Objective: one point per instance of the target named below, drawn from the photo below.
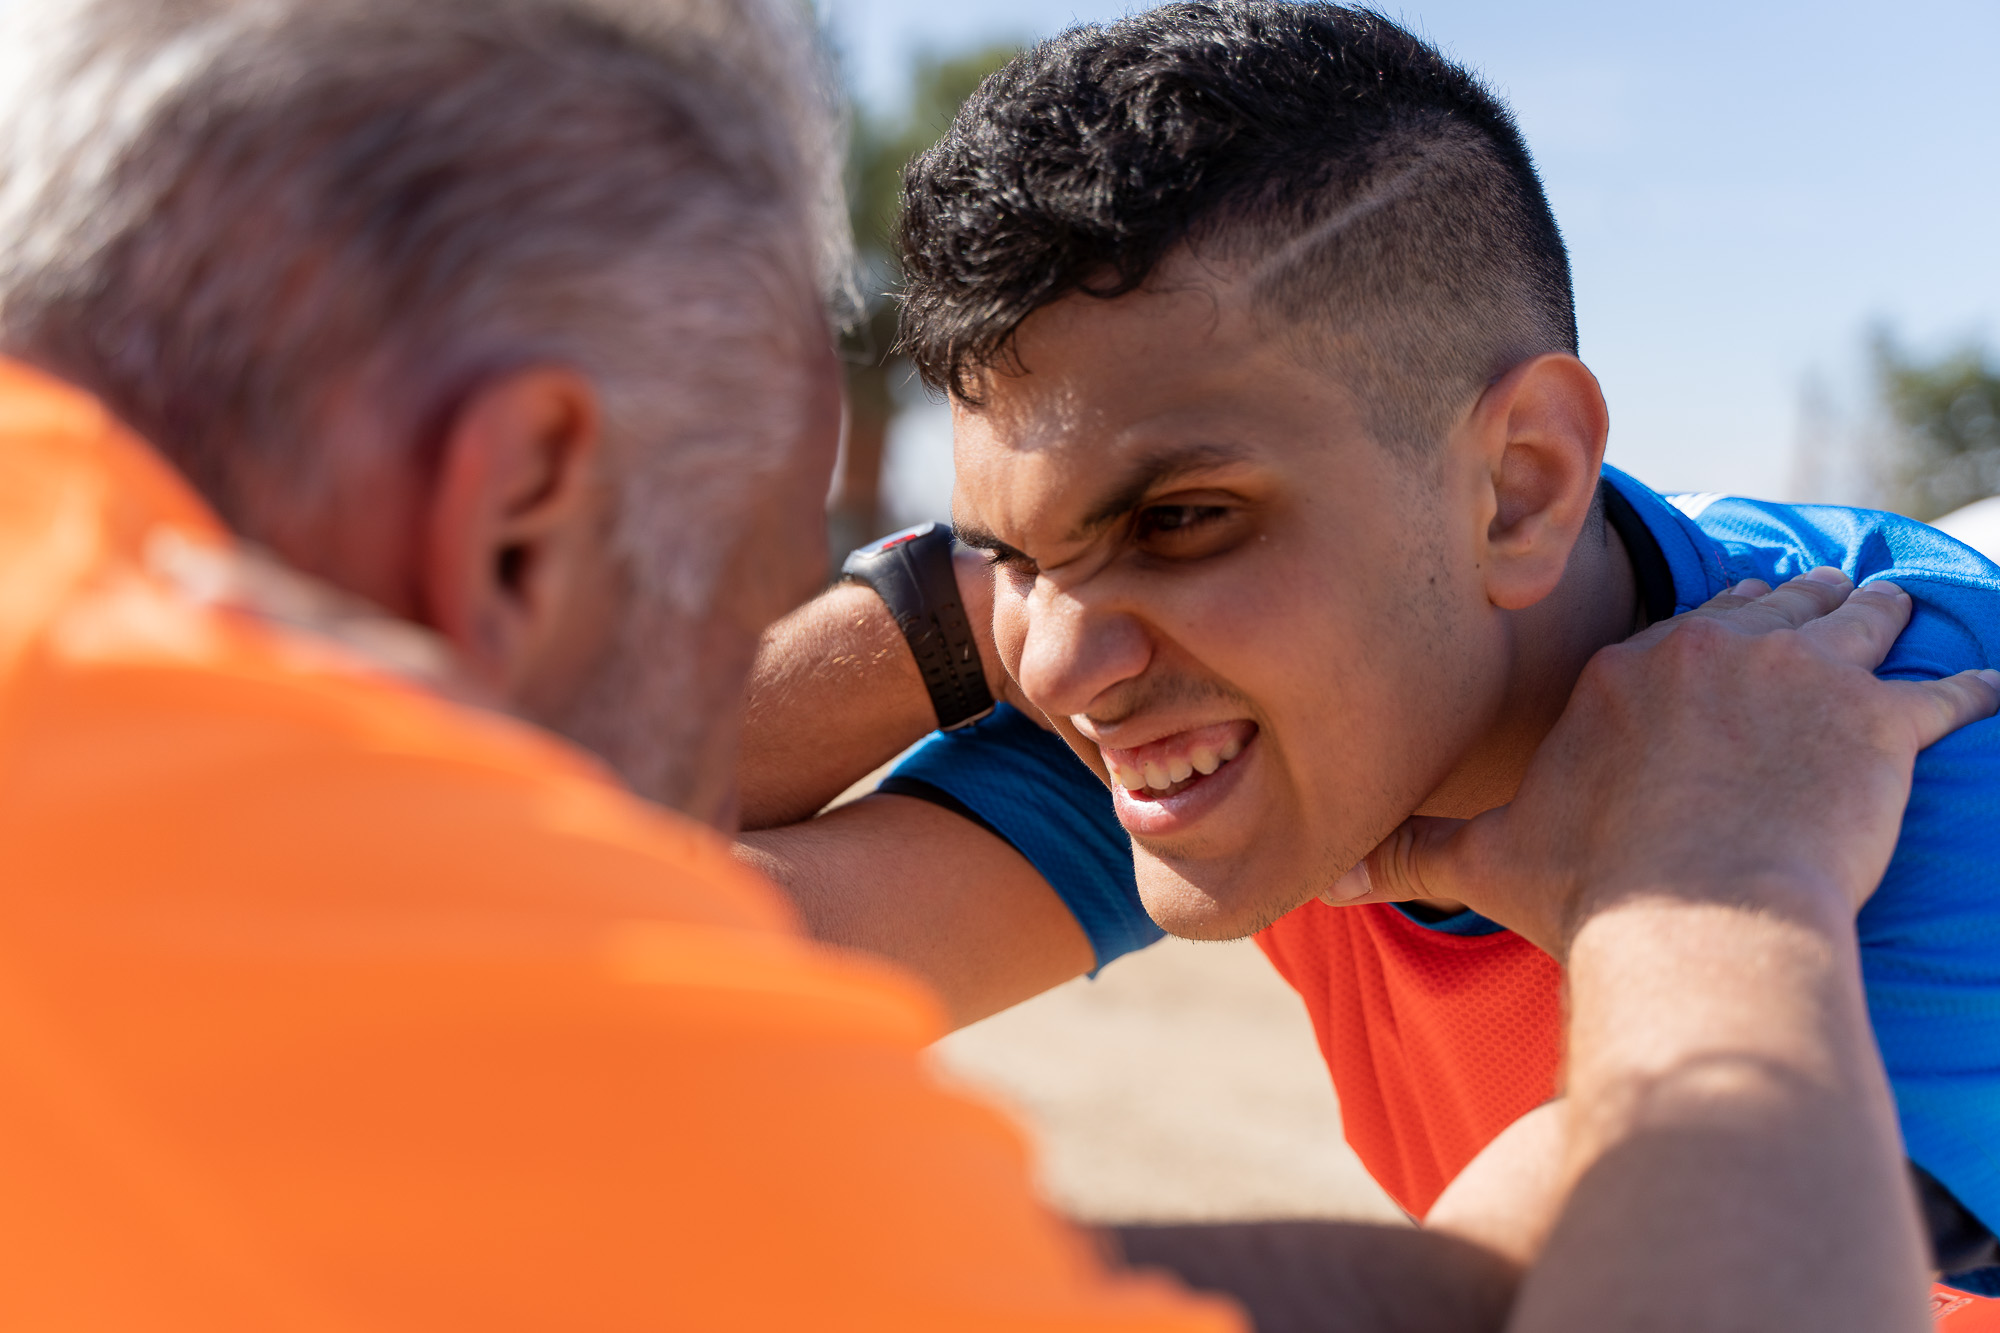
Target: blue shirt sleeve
(1025, 784)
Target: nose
(1074, 650)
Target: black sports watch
(911, 572)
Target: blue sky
(1744, 187)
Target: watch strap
(911, 571)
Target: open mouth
(1177, 763)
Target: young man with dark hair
(1270, 425)
(327, 1002)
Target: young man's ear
(515, 543)
(1539, 431)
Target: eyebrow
(1150, 471)
(1145, 474)
(979, 539)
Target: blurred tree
(882, 146)
(1945, 426)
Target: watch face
(895, 539)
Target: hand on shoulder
(1743, 752)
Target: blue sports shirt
(1930, 937)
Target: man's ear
(514, 534)
(1539, 431)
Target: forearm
(835, 693)
(915, 883)
(1303, 1277)
(1726, 1104)
(1508, 1198)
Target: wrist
(1676, 990)
(915, 574)
(1807, 902)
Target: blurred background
(1783, 219)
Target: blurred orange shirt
(326, 1004)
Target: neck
(1596, 605)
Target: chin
(1182, 906)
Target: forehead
(1184, 370)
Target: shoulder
(1956, 589)
(161, 742)
(215, 759)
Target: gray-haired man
(505, 317)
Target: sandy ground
(1182, 1084)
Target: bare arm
(913, 882)
(1728, 1131)
(1309, 1276)
(1693, 841)
(1733, 1149)
(1733, 1140)
(835, 694)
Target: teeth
(1158, 775)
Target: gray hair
(264, 231)
(223, 215)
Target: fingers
(1936, 708)
(1853, 626)
(1806, 598)
(1463, 863)
(1863, 629)
(1718, 606)
(1356, 886)
(1791, 604)
(1721, 607)
(1411, 864)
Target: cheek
(1010, 622)
(1264, 622)
(1341, 654)
(1407, 671)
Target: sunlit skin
(509, 552)
(1199, 543)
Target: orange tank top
(1436, 1042)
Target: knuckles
(1706, 672)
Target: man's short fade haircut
(1379, 198)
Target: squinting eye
(1162, 520)
(1010, 562)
